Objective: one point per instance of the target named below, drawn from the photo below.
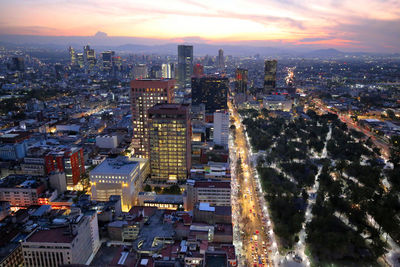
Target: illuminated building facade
(68, 160)
(89, 57)
(144, 95)
(168, 70)
(270, 76)
(212, 91)
(185, 65)
(72, 55)
(241, 76)
(169, 142)
(116, 176)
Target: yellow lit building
(169, 142)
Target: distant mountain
(330, 52)
(101, 42)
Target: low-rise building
(116, 176)
(21, 190)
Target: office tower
(168, 70)
(241, 80)
(17, 63)
(72, 55)
(211, 91)
(221, 127)
(80, 60)
(169, 142)
(21, 190)
(198, 71)
(116, 176)
(270, 76)
(107, 59)
(68, 160)
(155, 72)
(220, 60)
(140, 71)
(144, 95)
(89, 57)
(185, 65)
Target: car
(297, 258)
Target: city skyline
(344, 25)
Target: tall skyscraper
(221, 127)
(107, 60)
(220, 60)
(168, 70)
(89, 57)
(270, 76)
(169, 142)
(72, 55)
(241, 76)
(185, 65)
(144, 95)
(212, 91)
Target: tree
(157, 189)
(147, 188)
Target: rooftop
(19, 181)
(54, 235)
(209, 184)
(115, 166)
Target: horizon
(348, 26)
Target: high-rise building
(89, 57)
(107, 60)
(198, 71)
(140, 71)
(221, 127)
(144, 95)
(211, 91)
(169, 142)
(270, 76)
(72, 55)
(220, 60)
(241, 79)
(185, 65)
(17, 63)
(168, 70)
(80, 60)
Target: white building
(116, 176)
(221, 127)
(70, 243)
(167, 70)
(107, 141)
(277, 102)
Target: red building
(198, 71)
(68, 160)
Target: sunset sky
(356, 25)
